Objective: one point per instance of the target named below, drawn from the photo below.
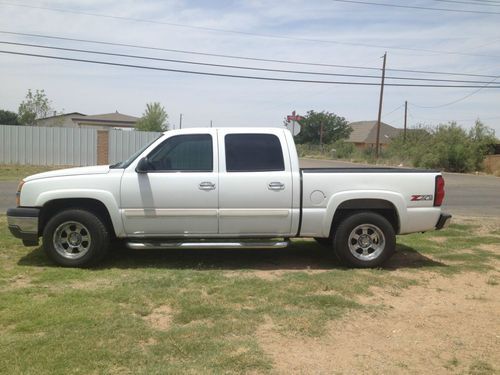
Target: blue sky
(352, 34)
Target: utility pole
(380, 107)
(406, 116)
(210, 123)
(180, 121)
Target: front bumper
(23, 224)
(443, 222)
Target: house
(364, 134)
(104, 121)
(62, 120)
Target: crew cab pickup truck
(224, 188)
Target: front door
(178, 196)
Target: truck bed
(409, 192)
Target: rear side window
(253, 153)
(184, 153)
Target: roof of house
(63, 115)
(109, 118)
(366, 132)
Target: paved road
(465, 194)
(472, 195)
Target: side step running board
(137, 245)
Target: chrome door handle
(276, 186)
(206, 185)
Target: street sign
(292, 123)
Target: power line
(458, 119)
(122, 18)
(391, 112)
(235, 75)
(457, 100)
(419, 116)
(99, 42)
(460, 99)
(185, 52)
(233, 66)
(417, 7)
(479, 2)
(468, 3)
(244, 33)
(190, 62)
(186, 71)
(204, 28)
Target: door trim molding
(245, 212)
(166, 212)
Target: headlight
(18, 193)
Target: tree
(154, 118)
(35, 106)
(8, 118)
(483, 142)
(334, 128)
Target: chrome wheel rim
(72, 240)
(366, 242)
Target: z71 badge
(418, 197)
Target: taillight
(439, 193)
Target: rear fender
(336, 200)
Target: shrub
(448, 147)
(342, 149)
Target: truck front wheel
(75, 238)
(364, 240)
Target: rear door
(255, 183)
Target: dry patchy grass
(431, 308)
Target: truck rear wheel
(364, 240)
(75, 238)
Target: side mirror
(143, 166)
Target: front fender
(105, 197)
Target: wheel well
(379, 206)
(92, 205)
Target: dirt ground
(445, 325)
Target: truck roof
(246, 129)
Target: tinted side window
(191, 152)
(253, 152)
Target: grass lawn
(197, 311)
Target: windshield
(126, 163)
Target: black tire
(324, 241)
(364, 240)
(75, 238)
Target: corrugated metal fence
(35, 145)
(47, 146)
(122, 144)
